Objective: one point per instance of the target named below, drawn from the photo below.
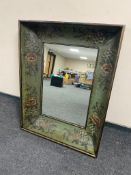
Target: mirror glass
(67, 82)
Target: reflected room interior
(67, 82)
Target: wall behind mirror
(67, 82)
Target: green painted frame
(107, 39)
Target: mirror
(67, 82)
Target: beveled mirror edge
(122, 26)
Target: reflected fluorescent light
(74, 50)
(83, 58)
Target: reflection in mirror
(67, 82)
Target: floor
(68, 103)
(22, 153)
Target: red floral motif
(75, 136)
(31, 102)
(95, 120)
(107, 68)
(31, 58)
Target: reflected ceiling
(74, 52)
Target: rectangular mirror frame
(107, 39)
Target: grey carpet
(67, 103)
(22, 153)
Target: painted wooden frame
(33, 34)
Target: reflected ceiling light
(83, 58)
(74, 50)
